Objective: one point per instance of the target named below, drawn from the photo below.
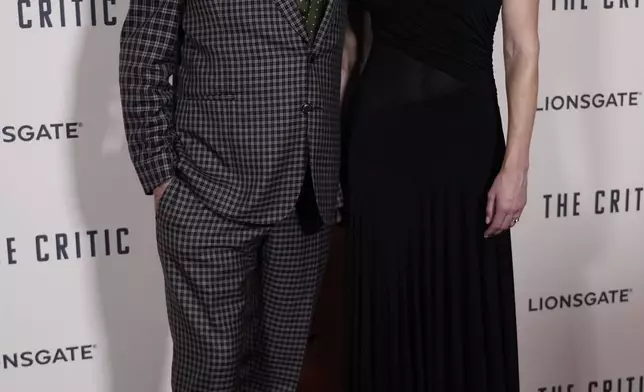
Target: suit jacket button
(307, 108)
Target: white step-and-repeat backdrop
(81, 297)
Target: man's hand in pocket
(158, 194)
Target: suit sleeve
(149, 56)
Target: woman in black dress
(432, 193)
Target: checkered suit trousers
(232, 102)
(239, 297)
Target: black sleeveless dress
(433, 306)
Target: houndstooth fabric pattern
(239, 297)
(252, 102)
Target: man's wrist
(154, 173)
(161, 187)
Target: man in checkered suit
(231, 111)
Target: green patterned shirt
(312, 11)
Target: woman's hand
(506, 199)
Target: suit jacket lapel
(324, 24)
(292, 14)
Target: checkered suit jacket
(231, 96)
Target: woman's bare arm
(521, 53)
(349, 56)
(508, 195)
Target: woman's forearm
(349, 54)
(522, 84)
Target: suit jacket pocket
(217, 96)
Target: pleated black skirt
(432, 300)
